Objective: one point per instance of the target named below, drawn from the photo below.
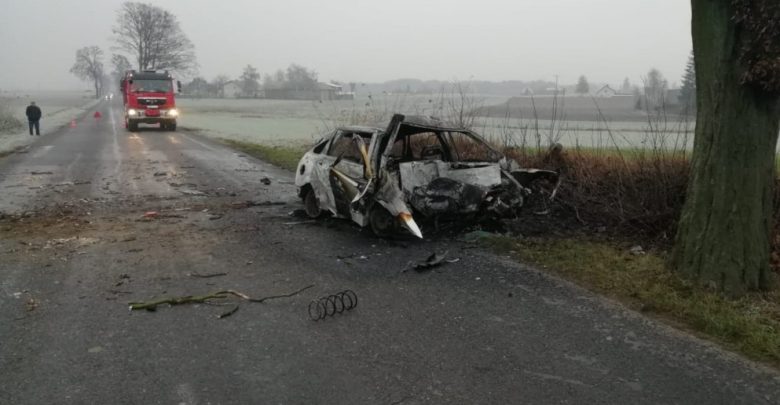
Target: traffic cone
(73, 123)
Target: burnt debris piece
(417, 169)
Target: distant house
(322, 92)
(231, 89)
(606, 92)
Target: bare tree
(218, 83)
(655, 88)
(250, 81)
(89, 66)
(154, 38)
(120, 64)
(301, 78)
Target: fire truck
(149, 99)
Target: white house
(606, 92)
(231, 89)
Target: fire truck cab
(149, 98)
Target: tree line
(148, 35)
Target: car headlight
(131, 112)
(173, 113)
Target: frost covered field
(293, 122)
(58, 109)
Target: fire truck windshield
(156, 86)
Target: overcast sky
(369, 40)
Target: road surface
(76, 248)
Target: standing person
(34, 118)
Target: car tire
(132, 126)
(172, 126)
(382, 223)
(311, 205)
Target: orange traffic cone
(73, 123)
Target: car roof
(425, 121)
(359, 128)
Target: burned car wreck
(418, 169)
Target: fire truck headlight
(131, 112)
(173, 113)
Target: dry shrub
(637, 195)
(631, 192)
(8, 122)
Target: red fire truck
(149, 99)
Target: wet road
(75, 249)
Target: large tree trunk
(723, 235)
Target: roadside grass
(284, 157)
(750, 325)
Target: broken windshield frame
(444, 145)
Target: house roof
(606, 87)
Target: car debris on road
(419, 168)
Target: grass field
(291, 122)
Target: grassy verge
(750, 325)
(284, 157)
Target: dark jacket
(33, 113)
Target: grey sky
(368, 40)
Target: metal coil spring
(332, 304)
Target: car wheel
(132, 126)
(311, 205)
(382, 223)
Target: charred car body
(418, 168)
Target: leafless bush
(8, 122)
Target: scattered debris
(198, 275)
(300, 222)
(160, 174)
(192, 192)
(228, 313)
(636, 250)
(174, 184)
(213, 217)
(40, 173)
(434, 260)
(219, 295)
(331, 305)
(151, 214)
(265, 180)
(31, 304)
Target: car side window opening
(419, 146)
(465, 148)
(345, 146)
(320, 146)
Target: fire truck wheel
(132, 126)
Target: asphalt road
(75, 249)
